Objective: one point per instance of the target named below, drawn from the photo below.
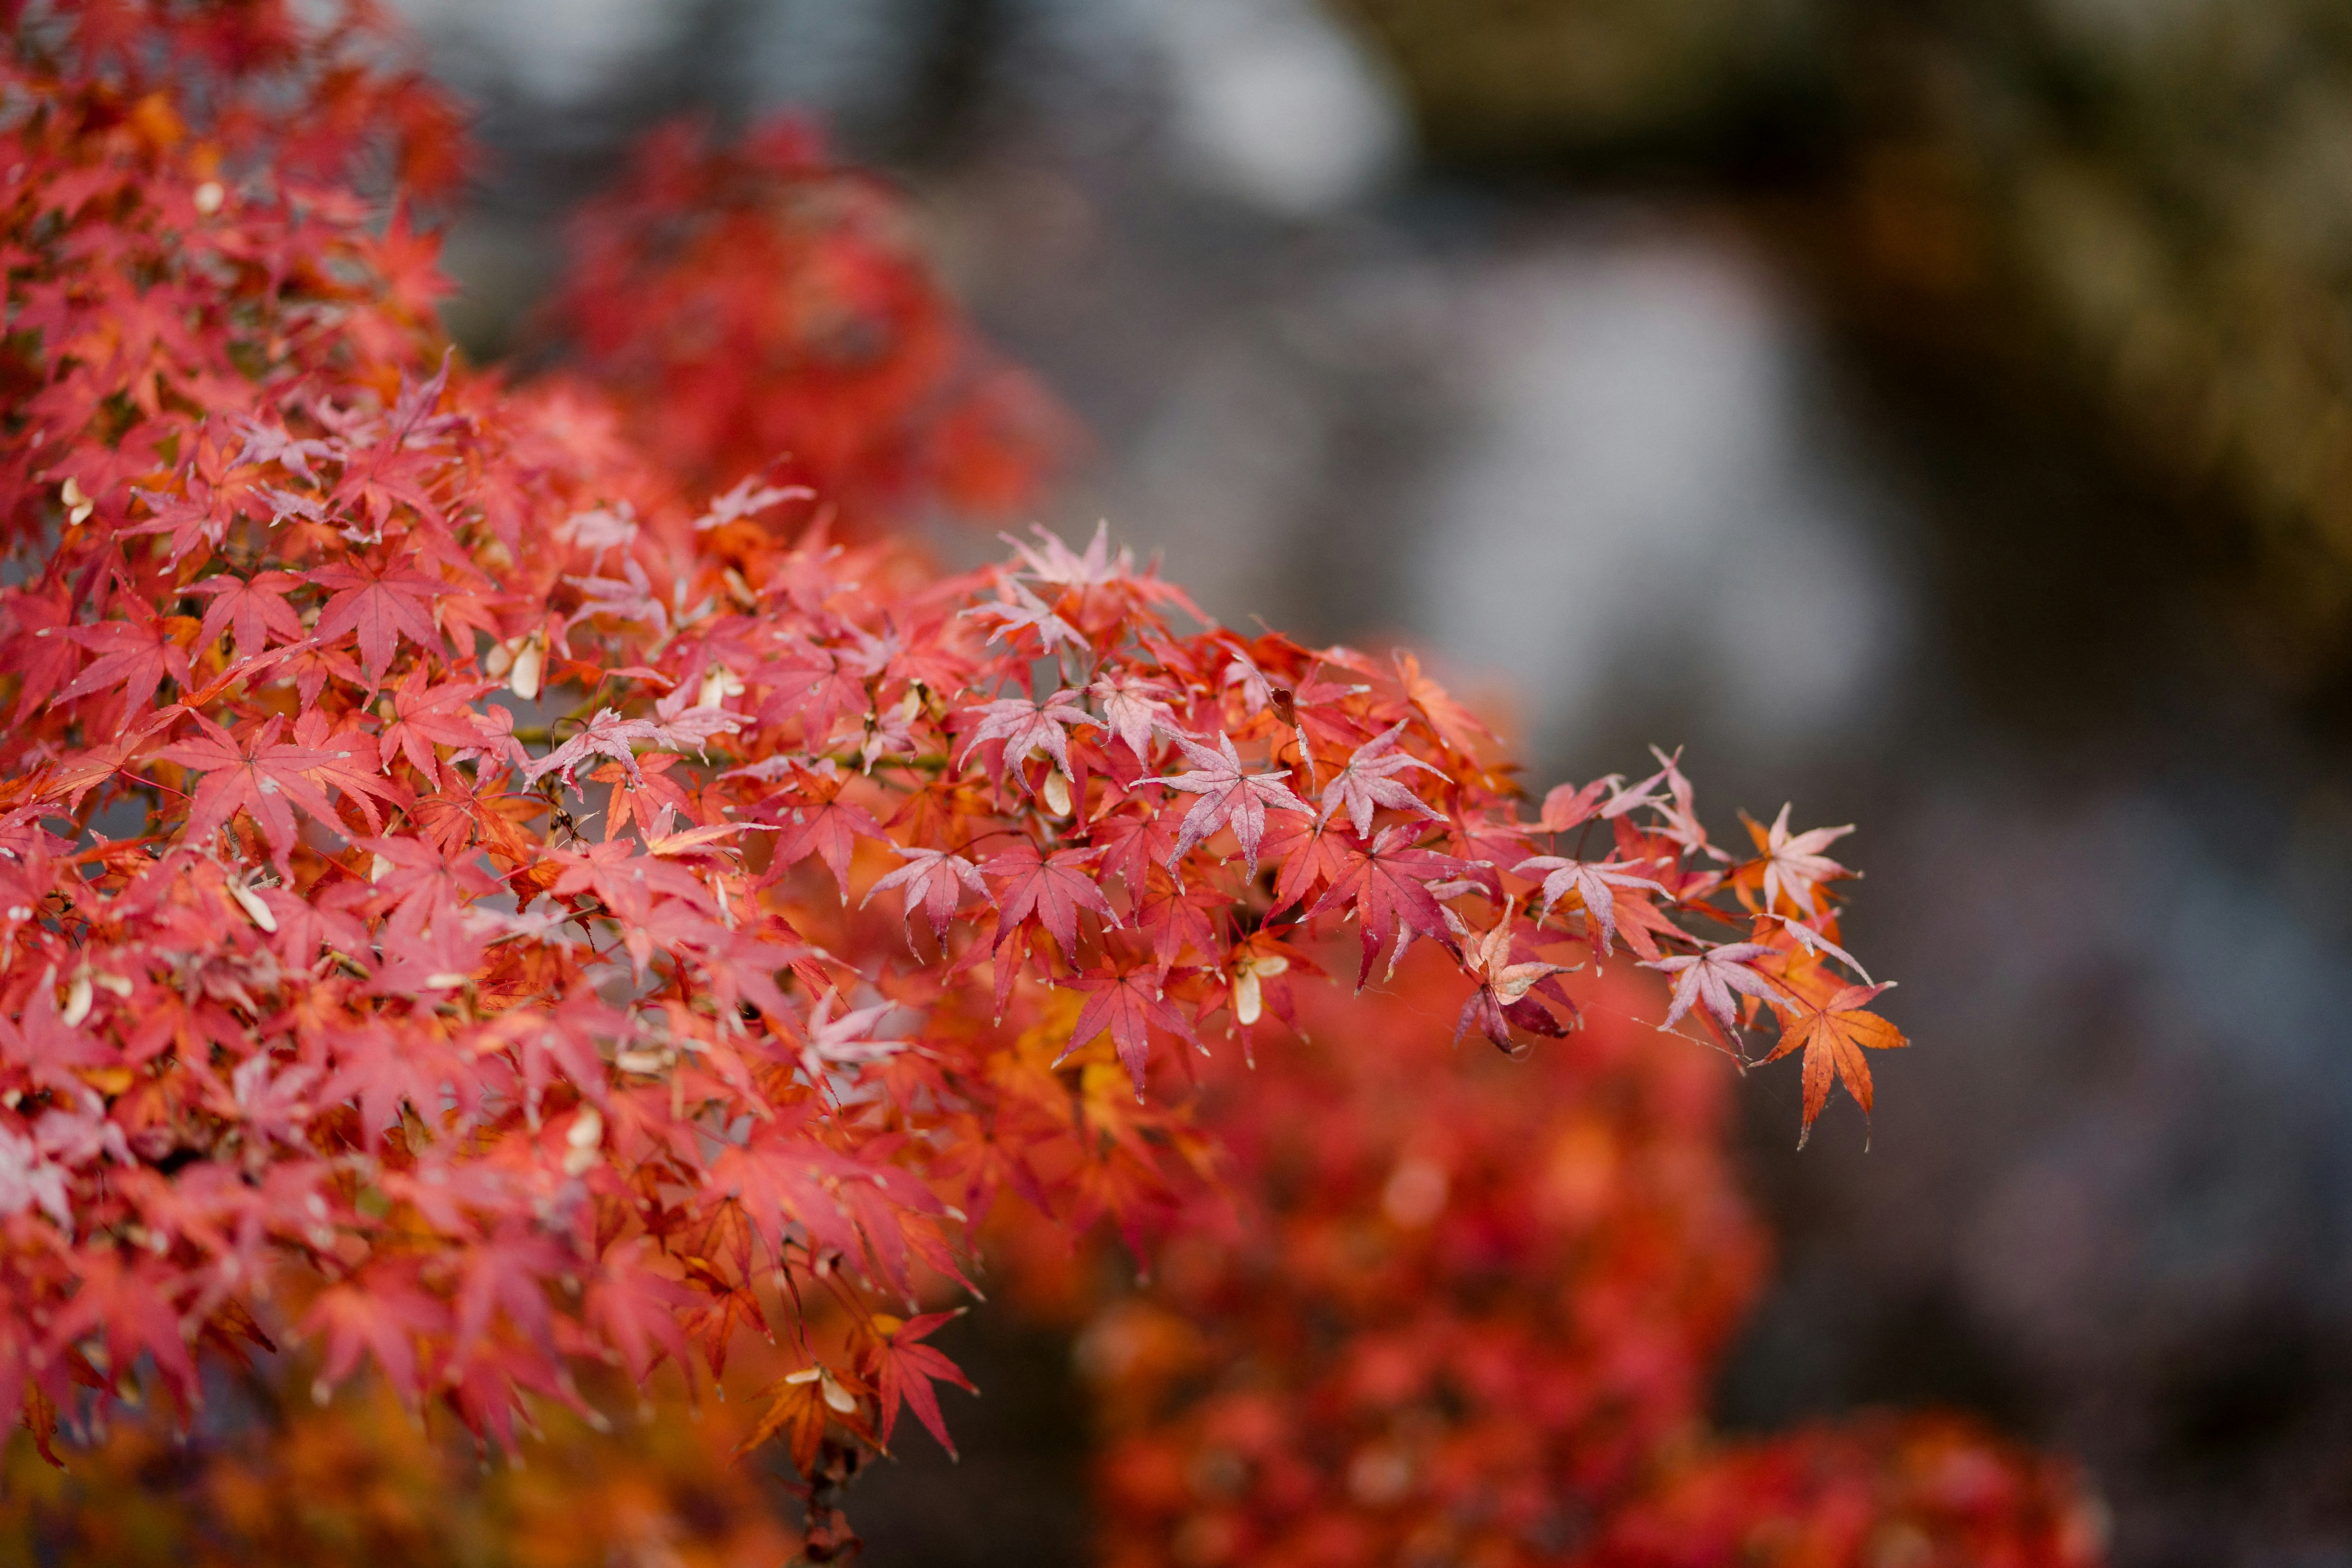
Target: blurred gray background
(1708, 387)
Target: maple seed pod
(209, 197)
(836, 1396)
(1056, 795)
(587, 1131)
(530, 659)
(718, 683)
(1249, 997)
(79, 996)
(250, 903)
(78, 505)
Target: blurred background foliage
(2151, 197)
(287, 1484)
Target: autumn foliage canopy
(498, 879)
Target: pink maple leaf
(934, 880)
(1708, 980)
(1025, 726)
(1793, 862)
(608, 735)
(1369, 782)
(1593, 882)
(1229, 797)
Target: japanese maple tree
(462, 842)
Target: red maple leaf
(135, 654)
(1175, 916)
(900, 1369)
(1049, 890)
(1506, 971)
(381, 1314)
(816, 820)
(1387, 882)
(1132, 837)
(1132, 709)
(414, 875)
(380, 1072)
(1793, 862)
(640, 1310)
(341, 751)
(1454, 723)
(262, 776)
(35, 651)
(1567, 807)
(1313, 855)
(420, 960)
(424, 714)
(130, 1304)
(410, 263)
(815, 683)
(256, 606)
(801, 1405)
(380, 605)
(1125, 1001)
(653, 798)
(86, 770)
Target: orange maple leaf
(1832, 1037)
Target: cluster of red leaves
(1472, 1315)
(759, 303)
(1442, 1313)
(438, 834)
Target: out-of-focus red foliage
(759, 303)
(362, 1482)
(1457, 1307)
(1469, 1313)
(1922, 1491)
